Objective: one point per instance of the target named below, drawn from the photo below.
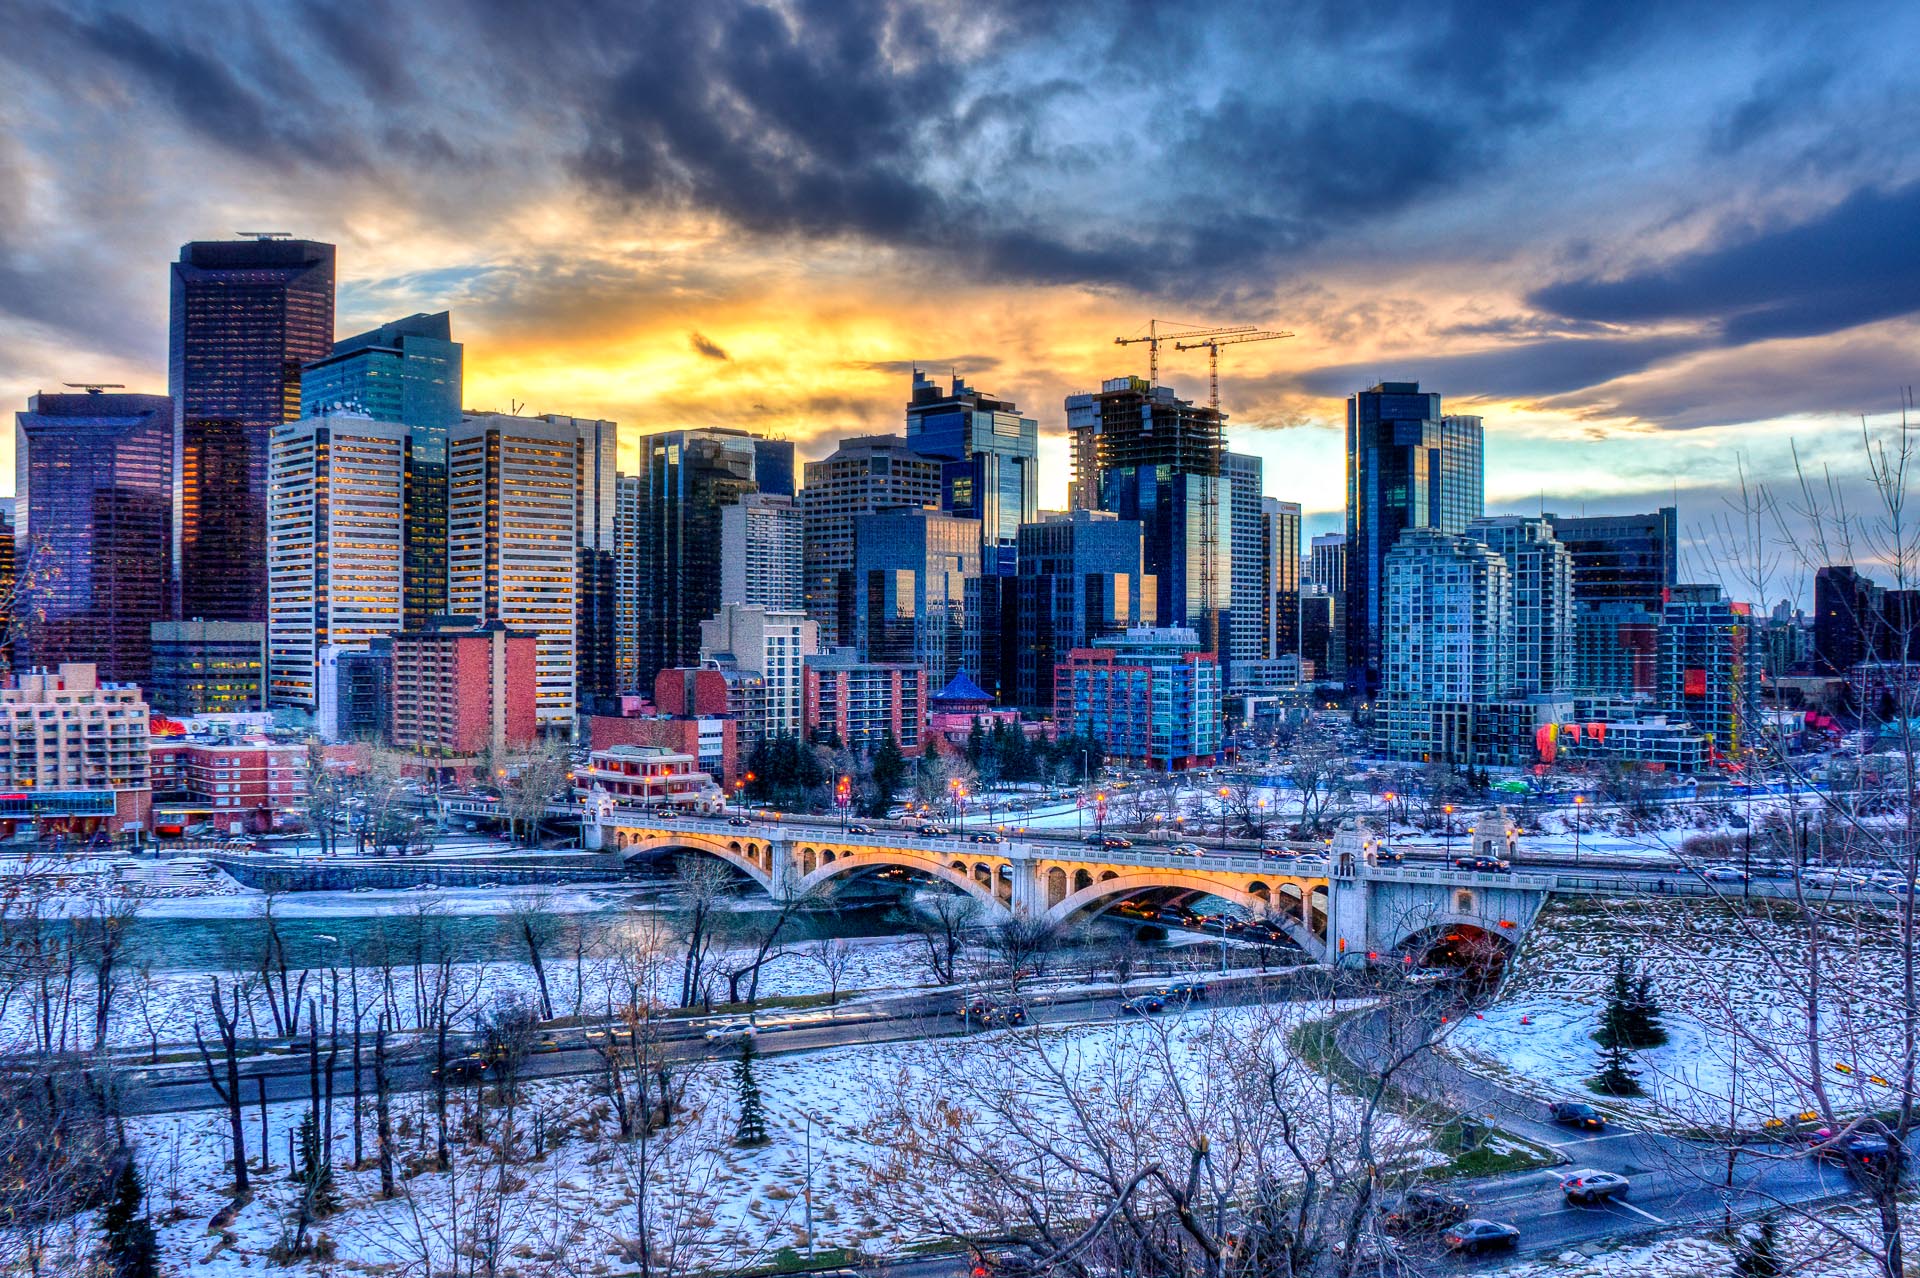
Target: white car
(732, 1032)
(1591, 1186)
(1724, 874)
(1187, 849)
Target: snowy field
(833, 1118)
(1732, 989)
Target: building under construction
(1157, 458)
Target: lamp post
(1579, 801)
(1447, 812)
(1223, 816)
(1263, 818)
(1099, 815)
(842, 796)
(1389, 798)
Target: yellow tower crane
(1174, 332)
(1214, 341)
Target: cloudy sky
(1649, 242)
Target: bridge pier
(1029, 897)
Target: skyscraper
(1408, 467)
(1447, 643)
(1623, 566)
(1710, 662)
(1080, 582)
(626, 584)
(763, 553)
(1542, 576)
(915, 585)
(407, 371)
(336, 528)
(990, 462)
(511, 540)
(687, 477)
(1844, 612)
(246, 317)
(769, 642)
(1083, 442)
(1247, 631)
(93, 484)
(865, 474)
(595, 501)
(1160, 464)
(1280, 580)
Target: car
(1187, 849)
(1008, 1014)
(1187, 991)
(463, 1070)
(1431, 975)
(1390, 858)
(858, 828)
(1481, 864)
(739, 821)
(935, 831)
(1280, 854)
(1474, 1236)
(1724, 874)
(983, 838)
(1109, 841)
(1591, 1186)
(1426, 1210)
(732, 1032)
(1867, 1149)
(976, 1011)
(1576, 1114)
(1143, 1005)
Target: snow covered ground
(575, 1206)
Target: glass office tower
(93, 477)
(990, 462)
(1408, 467)
(246, 316)
(409, 371)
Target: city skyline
(647, 260)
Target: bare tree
(531, 915)
(833, 956)
(942, 923)
(530, 784)
(1021, 947)
(702, 885)
(1316, 766)
(101, 935)
(226, 1081)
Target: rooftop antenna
(264, 235)
(514, 407)
(94, 388)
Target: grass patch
(1491, 1153)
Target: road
(1675, 1182)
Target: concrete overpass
(1343, 906)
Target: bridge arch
(730, 853)
(1118, 885)
(958, 875)
(1426, 929)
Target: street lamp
(1263, 818)
(1579, 801)
(1389, 798)
(842, 796)
(1099, 814)
(1223, 815)
(1447, 809)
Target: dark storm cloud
(704, 345)
(1854, 264)
(1528, 370)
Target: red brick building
(462, 689)
(237, 785)
(860, 702)
(712, 740)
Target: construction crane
(1155, 336)
(94, 388)
(1213, 343)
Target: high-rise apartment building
(1246, 562)
(512, 553)
(769, 643)
(915, 585)
(246, 317)
(626, 585)
(1151, 696)
(763, 553)
(989, 455)
(93, 485)
(1083, 444)
(1408, 467)
(463, 690)
(1710, 661)
(1845, 608)
(686, 478)
(1160, 463)
(337, 529)
(408, 371)
(1447, 642)
(1279, 578)
(1080, 582)
(596, 587)
(73, 754)
(1542, 579)
(864, 475)
(1623, 566)
(862, 703)
(208, 667)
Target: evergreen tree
(1757, 1255)
(132, 1251)
(889, 774)
(316, 1173)
(1617, 1077)
(753, 1115)
(1616, 1014)
(1643, 1015)
(976, 742)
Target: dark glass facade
(1080, 583)
(1407, 467)
(246, 317)
(409, 371)
(915, 584)
(989, 455)
(94, 485)
(208, 667)
(686, 478)
(1623, 568)
(1843, 619)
